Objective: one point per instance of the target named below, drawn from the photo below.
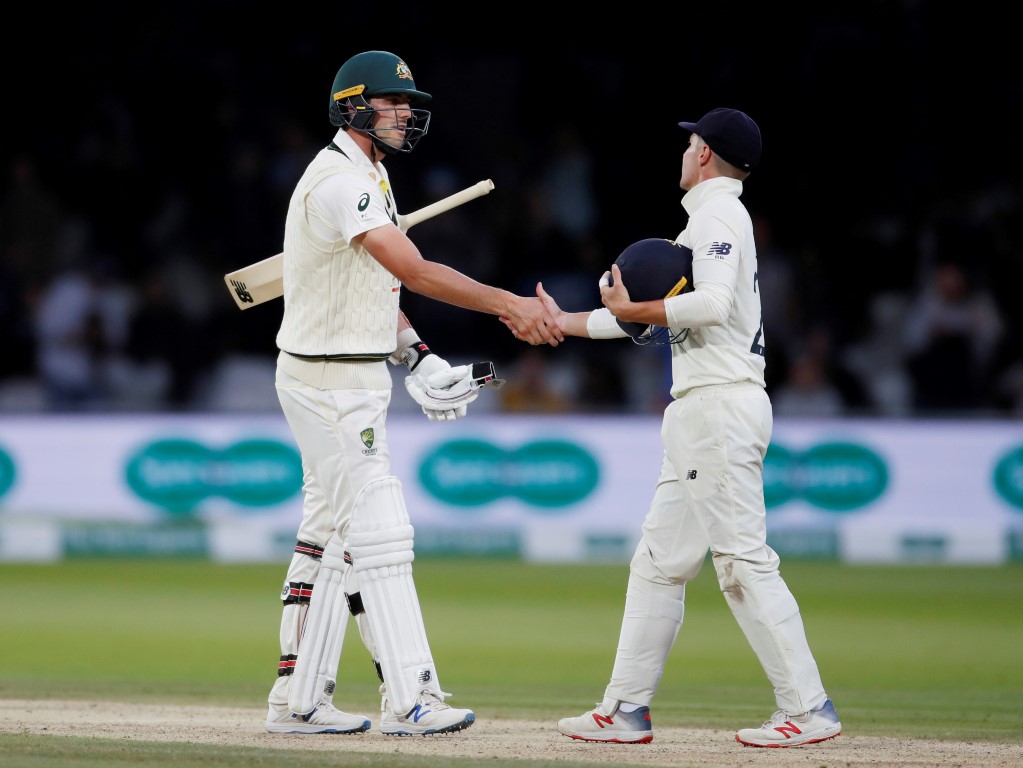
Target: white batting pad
(319, 650)
(380, 543)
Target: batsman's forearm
(443, 283)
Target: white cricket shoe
(616, 727)
(429, 715)
(325, 718)
(784, 730)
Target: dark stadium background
(175, 132)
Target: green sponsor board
(111, 540)
(1015, 545)
(546, 474)
(447, 542)
(8, 472)
(835, 477)
(177, 475)
(923, 548)
(607, 547)
(805, 543)
(1008, 478)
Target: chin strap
(383, 146)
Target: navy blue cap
(731, 134)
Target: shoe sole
(307, 728)
(459, 726)
(788, 742)
(643, 739)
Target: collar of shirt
(354, 152)
(708, 190)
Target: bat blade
(257, 282)
(264, 280)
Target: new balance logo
(602, 720)
(691, 474)
(720, 249)
(417, 713)
(242, 291)
(788, 730)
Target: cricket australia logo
(368, 436)
(402, 71)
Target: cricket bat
(264, 280)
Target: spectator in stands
(952, 332)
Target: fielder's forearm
(574, 324)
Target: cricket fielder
(710, 493)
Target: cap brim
(691, 127)
(414, 96)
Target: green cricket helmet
(377, 73)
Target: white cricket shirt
(725, 343)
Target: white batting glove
(441, 391)
(445, 394)
(423, 362)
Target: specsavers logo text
(179, 474)
(547, 473)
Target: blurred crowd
(885, 297)
(91, 326)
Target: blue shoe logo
(417, 712)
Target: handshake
(443, 391)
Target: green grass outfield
(921, 651)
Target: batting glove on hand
(431, 387)
(444, 393)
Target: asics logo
(720, 249)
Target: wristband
(601, 324)
(411, 350)
(414, 354)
